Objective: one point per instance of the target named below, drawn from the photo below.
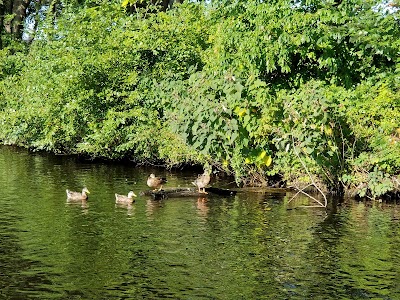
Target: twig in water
(298, 192)
(308, 195)
(312, 181)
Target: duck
(125, 199)
(202, 181)
(156, 182)
(78, 195)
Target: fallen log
(220, 192)
(186, 192)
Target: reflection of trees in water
(87, 253)
(351, 255)
(278, 239)
(253, 244)
(20, 277)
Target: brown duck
(155, 182)
(78, 195)
(125, 199)
(202, 181)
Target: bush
(267, 91)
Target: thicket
(295, 92)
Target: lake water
(249, 246)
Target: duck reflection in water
(152, 206)
(79, 198)
(202, 207)
(123, 201)
(130, 208)
(82, 203)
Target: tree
(292, 90)
(13, 15)
(162, 5)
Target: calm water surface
(250, 246)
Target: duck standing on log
(202, 181)
(155, 182)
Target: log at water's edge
(186, 192)
(221, 192)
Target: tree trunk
(17, 9)
(8, 5)
(1, 24)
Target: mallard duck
(156, 182)
(125, 199)
(202, 181)
(77, 195)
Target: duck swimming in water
(125, 199)
(78, 195)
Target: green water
(250, 246)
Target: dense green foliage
(303, 91)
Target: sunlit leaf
(267, 160)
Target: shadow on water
(21, 277)
(250, 246)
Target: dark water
(251, 246)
